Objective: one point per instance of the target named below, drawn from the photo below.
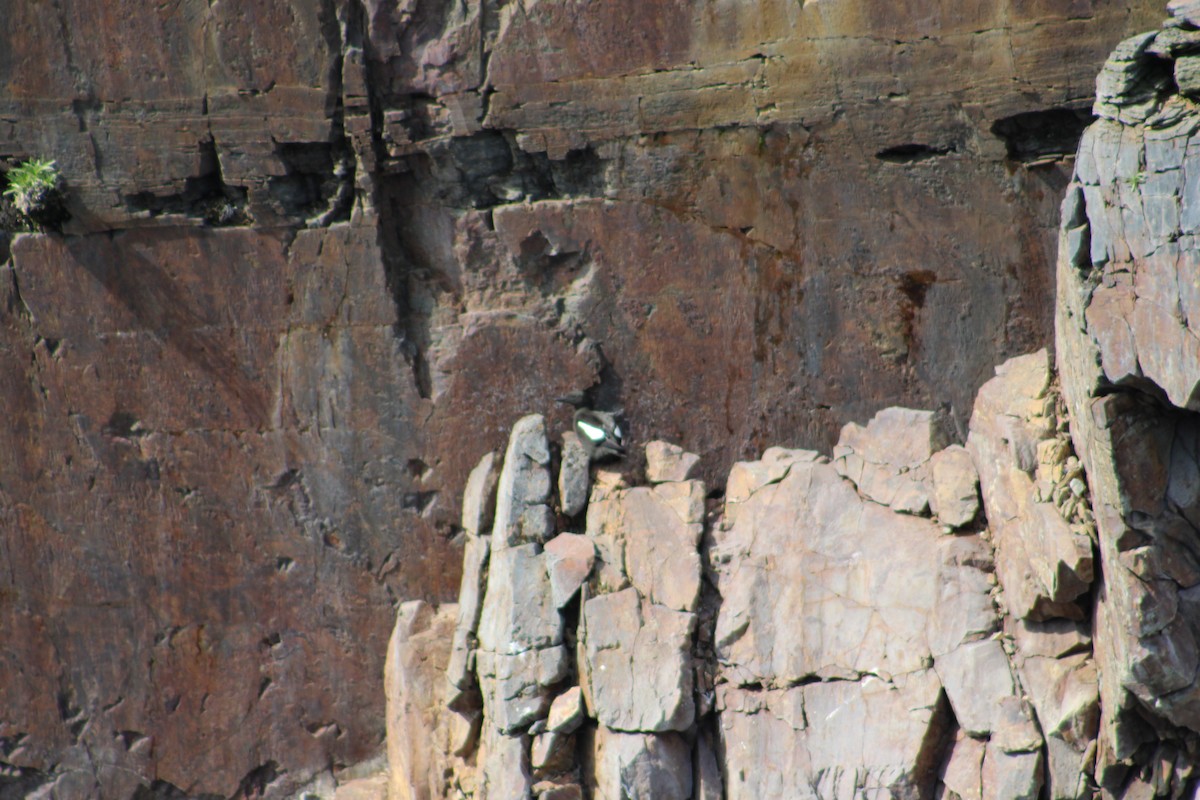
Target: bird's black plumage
(599, 431)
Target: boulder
(889, 459)
(669, 462)
(569, 559)
(479, 496)
(954, 499)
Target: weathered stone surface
(638, 766)
(662, 530)
(669, 462)
(372, 788)
(470, 607)
(566, 712)
(504, 772)
(520, 633)
(241, 451)
(963, 771)
(479, 496)
(516, 687)
(955, 496)
(649, 538)
(413, 677)
(889, 459)
(1128, 86)
(1011, 775)
(518, 609)
(873, 733)
(569, 559)
(574, 478)
(547, 790)
(1127, 348)
(977, 678)
(746, 151)
(844, 600)
(522, 513)
(1042, 560)
(552, 752)
(637, 663)
(806, 573)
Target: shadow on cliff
(160, 305)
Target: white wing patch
(590, 431)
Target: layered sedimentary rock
(323, 255)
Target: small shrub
(35, 191)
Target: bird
(599, 431)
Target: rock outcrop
(807, 640)
(1128, 341)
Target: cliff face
(322, 255)
(1016, 618)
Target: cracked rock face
(324, 254)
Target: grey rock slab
(669, 462)
(516, 688)
(662, 530)
(552, 752)
(1185, 10)
(524, 486)
(1065, 694)
(888, 459)
(977, 677)
(413, 685)
(569, 560)
(852, 595)
(962, 773)
(605, 523)
(639, 766)
(504, 772)
(827, 739)
(567, 712)
(470, 607)
(747, 477)
(479, 496)
(1054, 638)
(1011, 776)
(963, 611)
(574, 478)
(518, 608)
(955, 496)
(637, 663)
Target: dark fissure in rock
(1037, 135)
(205, 196)
(912, 152)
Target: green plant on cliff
(35, 192)
(1136, 180)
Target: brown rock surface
(235, 442)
